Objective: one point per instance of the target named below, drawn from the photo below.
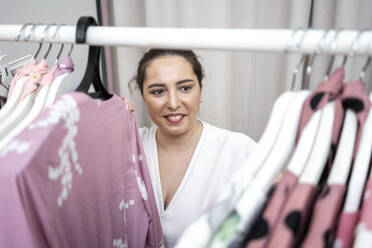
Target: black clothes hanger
(92, 73)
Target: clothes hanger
(242, 178)
(363, 231)
(39, 101)
(24, 105)
(360, 168)
(250, 204)
(92, 72)
(344, 155)
(63, 83)
(18, 85)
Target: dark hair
(154, 53)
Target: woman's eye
(157, 92)
(186, 88)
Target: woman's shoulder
(224, 136)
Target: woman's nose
(173, 101)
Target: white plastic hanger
(362, 161)
(319, 154)
(22, 108)
(18, 88)
(36, 108)
(344, 155)
(254, 197)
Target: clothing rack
(305, 41)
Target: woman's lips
(174, 118)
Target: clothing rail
(264, 40)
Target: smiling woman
(189, 160)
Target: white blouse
(218, 154)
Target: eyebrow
(162, 85)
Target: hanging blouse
(329, 203)
(326, 91)
(77, 177)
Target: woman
(189, 160)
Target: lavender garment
(323, 221)
(65, 66)
(325, 92)
(292, 222)
(262, 231)
(77, 177)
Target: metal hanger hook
(62, 45)
(333, 52)
(298, 44)
(22, 31)
(364, 68)
(45, 35)
(318, 50)
(32, 31)
(354, 46)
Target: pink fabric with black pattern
(323, 221)
(345, 231)
(292, 222)
(263, 229)
(325, 92)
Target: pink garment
(77, 177)
(48, 78)
(354, 96)
(345, 231)
(292, 222)
(366, 213)
(65, 66)
(364, 227)
(325, 92)
(33, 82)
(323, 221)
(262, 232)
(23, 72)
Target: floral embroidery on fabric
(118, 243)
(64, 109)
(124, 205)
(17, 146)
(141, 186)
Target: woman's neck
(179, 142)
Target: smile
(174, 118)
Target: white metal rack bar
(263, 40)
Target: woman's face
(172, 94)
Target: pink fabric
(32, 83)
(48, 78)
(23, 72)
(292, 222)
(77, 177)
(324, 218)
(366, 212)
(65, 66)
(274, 208)
(345, 231)
(356, 90)
(330, 89)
